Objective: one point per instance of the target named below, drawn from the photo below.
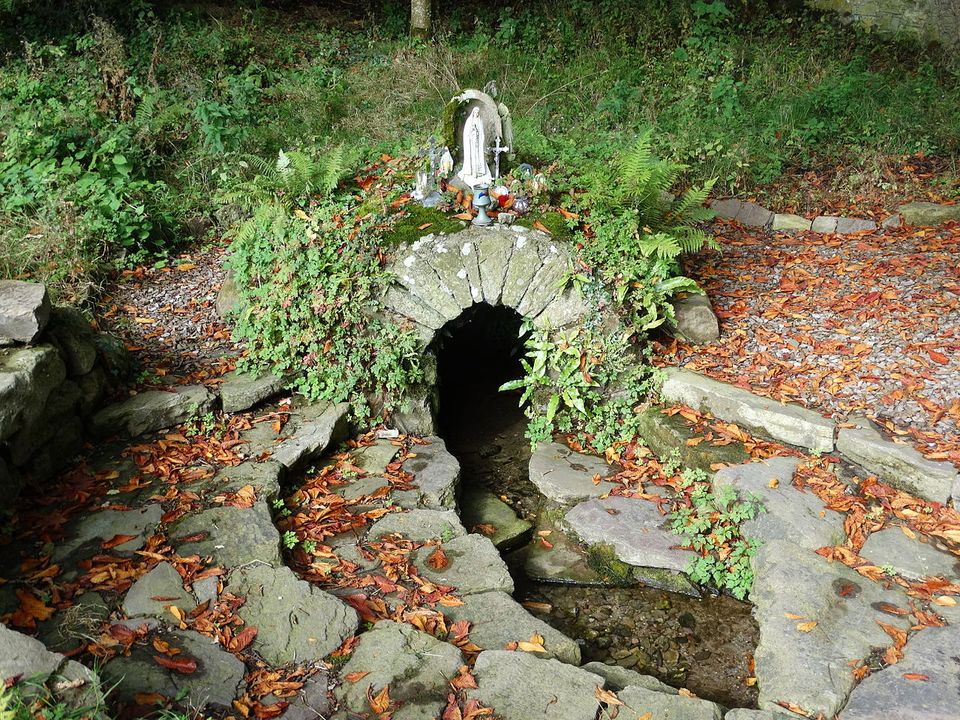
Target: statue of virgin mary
(474, 171)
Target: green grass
(117, 132)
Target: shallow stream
(703, 644)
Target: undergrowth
(119, 127)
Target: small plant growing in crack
(711, 523)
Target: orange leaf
(915, 676)
(463, 216)
(542, 228)
(807, 626)
(380, 702)
(938, 357)
(149, 699)
(183, 665)
(605, 696)
(242, 639)
(117, 540)
(424, 226)
(438, 560)
(355, 676)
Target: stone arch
(439, 277)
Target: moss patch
(410, 227)
(603, 559)
(552, 221)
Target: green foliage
(409, 227)
(307, 265)
(710, 522)
(581, 381)
(639, 231)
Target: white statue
(474, 171)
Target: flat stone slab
(107, 524)
(473, 565)
(565, 476)
(634, 528)
(922, 686)
(812, 666)
(416, 666)
(24, 310)
(241, 391)
(664, 434)
(158, 590)
(479, 506)
(231, 536)
(519, 686)
(788, 423)
(617, 678)
(327, 425)
(496, 620)
(746, 213)
(787, 222)
(641, 702)
(419, 525)
(152, 410)
(901, 466)
(23, 655)
(928, 213)
(911, 558)
(793, 514)
(263, 477)
(841, 225)
(296, 622)
(216, 681)
(436, 476)
(373, 459)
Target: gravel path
(866, 324)
(168, 317)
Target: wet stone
(520, 686)
(419, 525)
(231, 536)
(911, 558)
(216, 681)
(922, 686)
(155, 592)
(788, 512)
(664, 434)
(565, 476)
(416, 666)
(473, 566)
(482, 507)
(564, 562)
(814, 669)
(634, 528)
(498, 620)
(296, 621)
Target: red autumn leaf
(542, 228)
(149, 698)
(915, 676)
(242, 639)
(183, 665)
(117, 540)
(938, 357)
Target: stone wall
(55, 371)
(930, 20)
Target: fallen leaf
(807, 626)
(380, 702)
(183, 665)
(149, 698)
(355, 676)
(182, 267)
(117, 540)
(915, 676)
(438, 559)
(542, 228)
(945, 601)
(607, 697)
(792, 616)
(242, 639)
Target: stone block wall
(930, 20)
(53, 377)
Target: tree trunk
(420, 17)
